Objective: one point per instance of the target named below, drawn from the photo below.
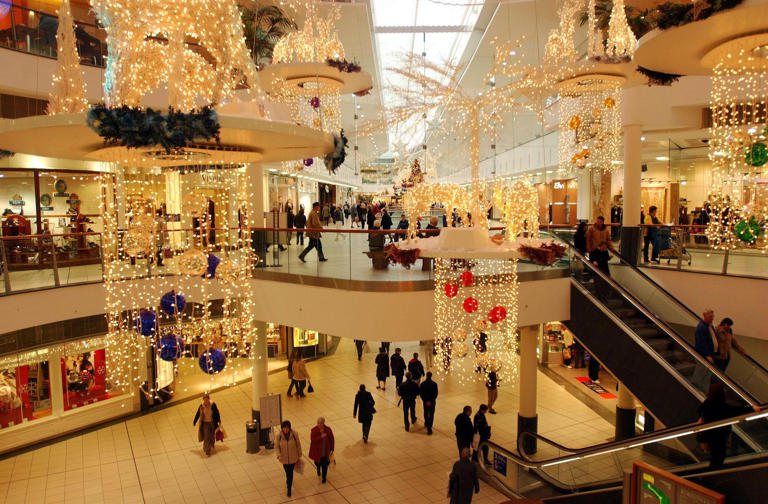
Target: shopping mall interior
(377, 251)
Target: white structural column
(584, 196)
(630, 231)
(527, 419)
(625, 414)
(259, 370)
(255, 173)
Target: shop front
(558, 202)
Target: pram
(669, 246)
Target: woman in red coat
(321, 447)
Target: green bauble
(747, 231)
(756, 154)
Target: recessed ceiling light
(642, 138)
(662, 158)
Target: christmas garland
(543, 255)
(336, 157)
(403, 257)
(343, 65)
(132, 127)
(658, 78)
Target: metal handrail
(666, 293)
(521, 458)
(668, 330)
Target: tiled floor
(156, 457)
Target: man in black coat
(465, 431)
(463, 480)
(397, 363)
(364, 405)
(416, 368)
(408, 391)
(386, 223)
(428, 392)
(402, 226)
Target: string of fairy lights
(68, 93)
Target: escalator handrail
(667, 329)
(658, 287)
(521, 459)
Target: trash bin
(252, 437)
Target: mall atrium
(382, 251)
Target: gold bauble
(581, 163)
(585, 153)
(136, 241)
(460, 335)
(739, 140)
(195, 204)
(192, 262)
(575, 122)
(594, 128)
(575, 158)
(460, 349)
(228, 270)
(609, 103)
(317, 123)
(329, 112)
(596, 113)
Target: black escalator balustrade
(597, 471)
(656, 364)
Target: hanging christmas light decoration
(68, 93)
(737, 148)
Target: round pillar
(625, 414)
(527, 419)
(259, 374)
(630, 231)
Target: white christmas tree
(68, 94)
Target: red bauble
(467, 278)
(451, 289)
(497, 314)
(470, 305)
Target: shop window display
(84, 379)
(24, 390)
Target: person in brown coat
(313, 224)
(725, 341)
(210, 420)
(598, 233)
(288, 451)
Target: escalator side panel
(665, 397)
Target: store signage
(500, 463)
(559, 185)
(17, 200)
(61, 189)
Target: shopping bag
(476, 441)
(332, 461)
(221, 434)
(310, 389)
(299, 468)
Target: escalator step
(685, 368)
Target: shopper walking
(397, 364)
(386, 223)
(291, 219)
(288, 452)
(580, 238)
(385, 346)
(300, 374)
(651, 238)
(715, 408)
(491, 383)
(321, 447)
(326, 213)
(362, 214)
(408, 392)
(292, 385)
(354, 221)
(725, 341)
(463, 481)
(338, 218)
(464, 429)
(416, 368)
(210, 420)
(428, 392)
(382, 369)
(313, 224)
(402, 225)
(484, 431)
(364, 410)
(371, 217)
(359, 345)
(300, 222)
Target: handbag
(310, 389)
(299, 467)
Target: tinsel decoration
(134, 128)
(172, 303)
(403, 257)
(212, 361)
(336, 158)
(343, 65)
(658, 78)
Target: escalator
(644, 337)
(560, 474)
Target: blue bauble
(172, 303)
(212, 361)
(171, 347)
(146, 322)
(213, 262)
